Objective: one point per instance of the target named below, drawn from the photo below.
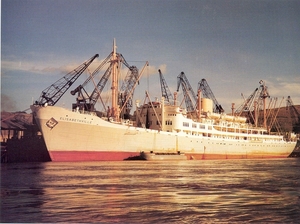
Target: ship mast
(264, 94)
(114, 85)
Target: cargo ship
(160, 130)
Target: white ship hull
(73, 136)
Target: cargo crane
(189, 95)
(95, 95)
(80, 88)
(207, 93)
(126, 91)
(165, 91)
(247, 106)
(87, 102)
(121, 100)
(294, 115)
(82, 93)
(254, 104)
(129, 91)
(53, 93)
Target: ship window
(202, 126)
(186, 124)
(168, 122)
(209, 128)
(194, 125)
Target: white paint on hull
(71, 131)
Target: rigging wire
(148, 79)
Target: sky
(233, 44)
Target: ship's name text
(74, 120)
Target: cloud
(153, 70)
(282, 88)
(279, 88)
(28, 66)
(44, 67)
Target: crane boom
(127, 85)
(189, 95)
(105, 61)
(100, 86)
(54, 92)
(255, 103)
(77, 89)
(133, 87)
(165, 91)
(125, 91)
(247, 105)
(207, 93)
(129, 81)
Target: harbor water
(204, 191)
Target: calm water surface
(152, 192)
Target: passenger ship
(160, 131)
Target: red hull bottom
(223, 156)
(76, 156)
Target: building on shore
(21, 140)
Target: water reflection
(139, 191)
(21, 192)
